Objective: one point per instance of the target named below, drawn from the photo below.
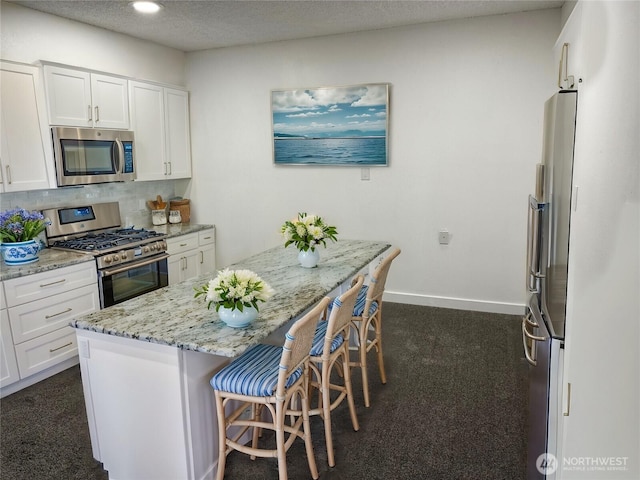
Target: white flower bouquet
(235, 289)
(307, 232)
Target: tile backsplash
(132, 197)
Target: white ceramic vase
(20, 253)
(236, 318)
(309, 259)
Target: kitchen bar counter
(172, 316)
(146, 363)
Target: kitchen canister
(181, 205)
(158, 217)
(174, 216)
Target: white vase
(309, 259)
(236, 318)
(20, 253)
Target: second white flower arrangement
(307, 232)
(235, 290)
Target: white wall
(603, 310)
(29, 36)
(465, 135)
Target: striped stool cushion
(255, 372)
(318, 340)
(361, 299)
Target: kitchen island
(146, 363)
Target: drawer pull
(52, 283)
(59, 313)
(184, 244)
(207, 238)
(51, 350)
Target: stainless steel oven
(130, 262)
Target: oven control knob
(145, 249)
(115, 258)
(123, 256)
(152, 246)
(107, 259)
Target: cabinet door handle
(97, 114)
(51, 350)
(59, 313)
(8, 174)
(201, 256)
(165, 168)
(90, 118)
(52, 283)
(169, 163)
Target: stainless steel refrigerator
(547, 262)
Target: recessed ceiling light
(146, 7)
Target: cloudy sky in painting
(331, 112)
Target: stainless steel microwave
(89, 155)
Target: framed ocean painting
(331, 125)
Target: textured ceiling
(191, 25)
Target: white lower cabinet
(35, 326)
(191, 255)
(8, 364)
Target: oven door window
(133, 282)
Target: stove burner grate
(107, 240)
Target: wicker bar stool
(273, 377)
(367, 322)
(331, 349)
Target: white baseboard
(38, 377)
(457, 303)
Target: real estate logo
(547, 463)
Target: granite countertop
(172, 316)
(50, 259)
(176, 229)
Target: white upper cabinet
(147, 123)
(26, 152)
(160, 122)
(178, 135)
(82, 99)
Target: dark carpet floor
(454, 407)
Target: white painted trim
(457, 303)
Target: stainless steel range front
(130, 261)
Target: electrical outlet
(365, 174)
(444, 237)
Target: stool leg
(326, 409)
(378, 320)
(282, 452)
(347, 383)
(222, 437)
(307, 438)
(363, 360)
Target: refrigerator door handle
(533, 244)
(529, 339)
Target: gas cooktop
(104, 242)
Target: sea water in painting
(331, 126)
